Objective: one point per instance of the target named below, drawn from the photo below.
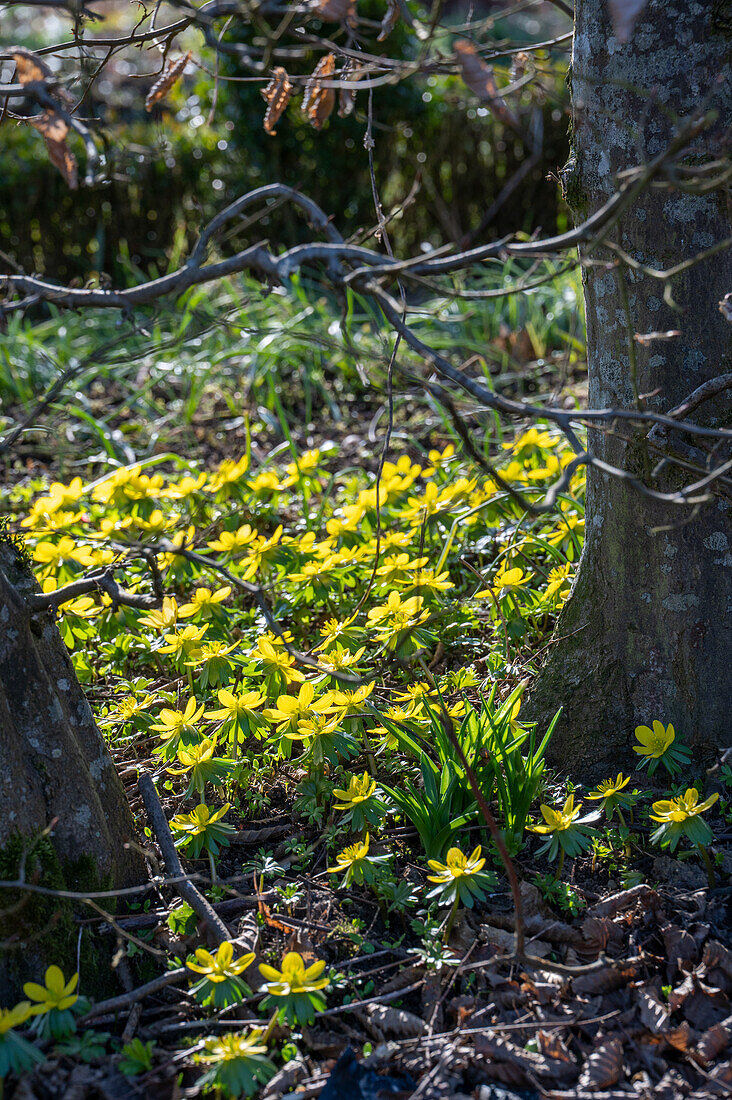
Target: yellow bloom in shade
(556, 821)
(14, 1017)
(456, 865)
(654, 741)
(609, 787)
(294, 977)
(221, 966)
(55, 994)
(683, 807)
(354, 853)
(359, 789)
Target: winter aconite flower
(459, 879)
(359, 866)
(567, 831)
(358, 801)
(221, 983)
(53, 1003)
(178, 728)
(17, 1055)
(204, 767)
(237, 1064)
(202, 829)
(681, 818)
(612, 796)
(658, 744)
(295, 989)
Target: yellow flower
(55, 994)
(654, 742)
(195, 754)
(14, 1017)
(177, 723)
(359, 790)
(233, 542)
(163, 618)
(231, 1048)
(186, 487)
(204, 602)
(556, 821)
(291, 709)
(235, 707)
(683, 807)
(183, 641)
(609, 787)
(276, 661)
(350, 855)
(221, 966)
(54, 555)
(198, 820)
(294, 977)
(456, 865)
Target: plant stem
(561, 862)
(451, 918)
(709, 865)
(270, 1027)
(212, 865)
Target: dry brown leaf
(599, 933)
(606, 980)
(55, 130)
(352, 70)
(336, 11)
(681, 948)
(552, 1046)
(653, 1013)
(604, 1066)
(277, 95)
(519, 1066)
(395, 1021)
(319, 102)
(718, 957)
(713, 1042)
(680, 1038)
(478, 76)
(28, 67)
(164, 83)
(626, 899)
(390, 20)
(624, 14)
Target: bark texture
(651, 610)
(55, 766)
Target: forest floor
(353, 610)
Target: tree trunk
(58, 775)
(649, 616)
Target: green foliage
(433, 810)
(137, 1057)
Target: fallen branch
(187, 891)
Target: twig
(188, 892)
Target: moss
(36, 930)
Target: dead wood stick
(188, 892)
(126, 1000)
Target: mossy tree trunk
(647, 628)
(55, 773)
